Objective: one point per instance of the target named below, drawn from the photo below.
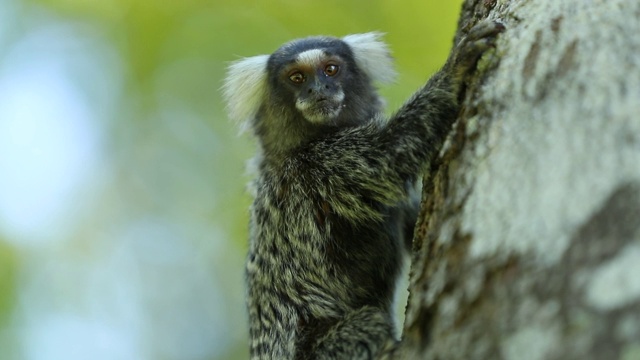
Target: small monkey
(332, 213)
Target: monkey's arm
(380, 160)
(416, 132)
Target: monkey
(332, 214)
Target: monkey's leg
(361, 335)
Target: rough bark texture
(528, 244)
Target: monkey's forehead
(308, 50)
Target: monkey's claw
(480, 38)
(485, 29)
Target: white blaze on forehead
(310, 57)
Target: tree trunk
(528, 242)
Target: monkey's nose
(318, 88)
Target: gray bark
(528, 243)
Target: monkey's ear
(372, 55)
(245, 87)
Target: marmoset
(332, 212)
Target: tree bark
(528, 242)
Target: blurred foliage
(9, 263)
(152, 34)
(8, 277)
(173, 167)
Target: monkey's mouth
(327, 108)
(325, 105)
(321, 110)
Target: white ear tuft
(245, 87)
(372, 55)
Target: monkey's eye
(331, 69)
(297, 77)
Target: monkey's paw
(480, 38)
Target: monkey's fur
(332, 209)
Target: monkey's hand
(466, 53)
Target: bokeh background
(123, 211)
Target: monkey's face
(314, 80)
(309, 87)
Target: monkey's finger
(487, 29)
(472, 50)
(480, 39)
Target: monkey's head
(308, 88)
